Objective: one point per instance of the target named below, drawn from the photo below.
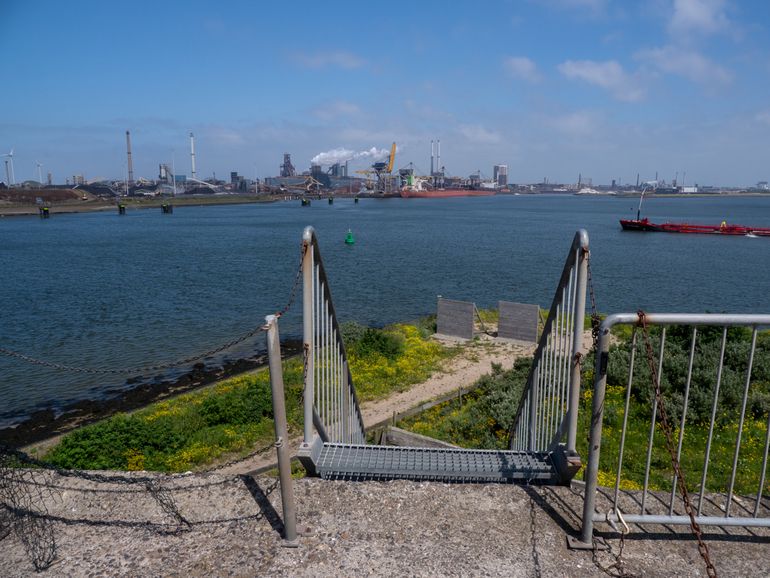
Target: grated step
(369, 462)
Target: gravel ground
(230, 526)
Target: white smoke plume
(341, 155)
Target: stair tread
(360, 462)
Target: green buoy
(349, 240)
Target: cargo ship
(420, 188)
(722, 229)
(645, 225)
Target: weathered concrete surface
(357, 529)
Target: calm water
(101, 290)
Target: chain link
(595, 319)
(533, 537)
(667, 431)
(618, 568)
(163, 366)
(24, 496)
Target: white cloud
(522, 68)
(223, 136)
(608, 75)
(688, 63)
(478, 134)
(700, 16)
(336, 109)
(574, 124)
(763, 117)
(333, 59)
(593, 7)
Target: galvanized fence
(704, 414)
(549, 403)
(331, 405)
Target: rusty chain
(670, 446)
(533, 538)
(162, 366)
(595, 319)
(618, 568)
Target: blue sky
(552, 88)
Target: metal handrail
(331, 404)
(645, 515)
(549, 402)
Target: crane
(392, 158)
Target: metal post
(281, 432)
(533, 411)
(595, 441)
(577, 342)
(307, 330)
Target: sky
(605, 89)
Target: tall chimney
(130, 163)
(438, 155)
(432, 153)
(192, 153)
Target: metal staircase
(334, 444)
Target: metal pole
(577, 342)
(281, 432)
(307, 330)
(595, 442)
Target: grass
(482, 418)
(693, 449)
(235, 416)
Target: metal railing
(660, 507)
(281, 431)
(549, 403)
(331, 405)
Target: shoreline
(134, 203)
(45, 424)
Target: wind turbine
(9, 174)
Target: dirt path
(475, 360)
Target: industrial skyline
(604, 88)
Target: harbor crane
(379, 169)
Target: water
(102, 290)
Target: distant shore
(132, 203)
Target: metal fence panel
(654, 507)
(517, 321)
(455, 318)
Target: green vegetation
(234, 417)
(483, 417)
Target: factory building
(500, 173)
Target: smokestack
(438, 155)
(130, 163)
(432, 153)
(192, 153)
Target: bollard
(281, 432)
